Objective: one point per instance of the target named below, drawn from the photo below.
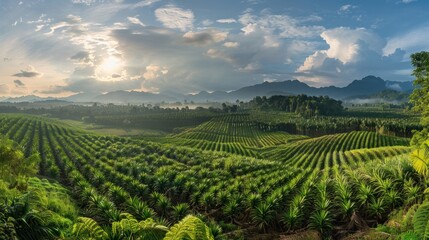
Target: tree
(420, 99)
(420, 96)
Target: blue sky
(64, 47)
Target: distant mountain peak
(366, 86)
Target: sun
(109, 66)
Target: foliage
(421, 221)
(234, 133)
(87, 228)
(110, 176)
(189, 228)
(420, 159)
(23, 222)
(14, 165)
(420, 98)
(307, 106)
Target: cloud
(255, 2)
(346, 9)
(231, 44)
(86, 2)
(4, 89)
(282, 26)
(205, 37)
(143, 3)
(412, 41)
(352, 53)
(190, 66)
(82, 56)
(70, 21)
(207, 22)
(18, 83)
(226, 20)
(30, 72)
(38, 28)
(407, 1)
(176, 18)
(344, 45)
(136, 21)
(153, 71)
(214, 53)
(92, 85)
(40, 20)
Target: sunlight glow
(111, 65)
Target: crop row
(110, 175)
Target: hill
(366, 86)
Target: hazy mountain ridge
(368, 86)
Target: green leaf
(87, 228)
(150, 230)
(421, 221)
(190, 228)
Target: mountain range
(367, 86)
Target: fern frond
(150, 230)
(87, 228)
(190, 228)
(421, 221)
(420, 159)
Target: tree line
(307, 106)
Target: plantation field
(231, 133)
(338, 149)
(106, 130)
(295, 182)
(391, 122)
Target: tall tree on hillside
(420, 96)
(420, 99)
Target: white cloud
(414, 40)
(344, 45)
(154, 71)
(231, 44)
(352, 53)
(39, 27)
(314, 61)
(174, 17)
(143, 3)
(214, 53)
(207, 22)
(282, 25)
(41, 19)
(136, 21)
(226, 20)
(408, 1)
(86, 2)
(346, 8)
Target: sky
(64, 47)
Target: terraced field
(339, 149)
(232, 133)
(311, 177)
